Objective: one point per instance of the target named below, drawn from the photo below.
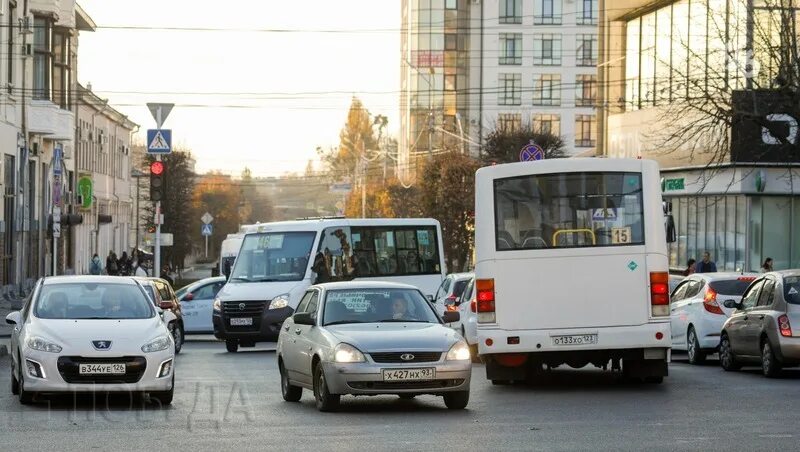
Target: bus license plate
(575, 339)
(409, 374)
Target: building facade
(734, 186)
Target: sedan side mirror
(732, 304)
(430, 298)
(14, 318)
(451, 316)
(304, 318)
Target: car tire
(163, 397)
(693, 351)
(290, 392)
(456, 400)
(770, 365)
(726, 357)
(232, 345)
(326, 401)
(177, 336)
(406, 396)
(25, 397)
(654, 380)
(501, 382)
(14, 383)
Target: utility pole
(749, 38)
(364, 187)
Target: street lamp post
(136, 174)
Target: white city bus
(230, 247)
(277, 262)
(571, 267)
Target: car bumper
(367, 378)
(266, 326)
(789, 350)
(60, 373)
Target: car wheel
(726, 357)
(406, 396)
(325, 400)
(770, 365)
(164, 397)
(696, 355)
(501, 382)
(290, 392)
(232, 345)
(25, 397)
(654, 380)
(456, 400)
(177, 336)
(14, 382)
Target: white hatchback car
(91, 334)
(468, 313)
(450, 290)
(697, 312)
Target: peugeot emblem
(101, 345)
(242, 306)
(407, 357)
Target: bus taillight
(659, 293)
(485, 300)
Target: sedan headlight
(43, 345)
(157, 344)
(459, 352)
(217, 305)
(346, 353)
(281, 301)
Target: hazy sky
(245, 69)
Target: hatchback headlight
(217, 305)
(346, 353)
(43, 345)
(157, 344)
(281, 301)
(459, 352)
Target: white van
(572, 267)
(277, 262)
(230, 247)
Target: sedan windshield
(273, 256)
(92, 301)
(377, 305)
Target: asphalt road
(232, 401)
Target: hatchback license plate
(409, 374)
(241, 321)
(101, 369)
(575, 339)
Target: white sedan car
(91, 333)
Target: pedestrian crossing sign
(159, 141)
(206, 229)
(604, 214)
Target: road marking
(776, 435)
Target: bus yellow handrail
(571, 231)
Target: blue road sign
(58, 153)
(159, 141)
(531, 152)
(206, 229)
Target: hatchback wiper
(342, 322)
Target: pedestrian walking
(706, 265)
(96, 266)
(690, 267)
(124, 265)
(139, 270)
(112, 268)
(165, 275)
(766, 267)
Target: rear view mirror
(303, 318)
(430, 298)
(451, 316)
(14, 318)
(731, 304)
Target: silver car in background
(370, 338)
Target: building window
(42, 57)
(509, 122)
(585, 90)
(547, 12)
(510, 11)
(547, 124)
(587, 50)
(587, 15)
(511, 48)
(451, 4)
(62, 74)
(585, 131)
(547, 50)
(450, 82)
(451, 41)
(547, 89)
(510, 92)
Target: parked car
(197, 301)
(760, 329)
(450, 290)
(468, 313)
(674, 280)
(368, 338)
(91, 334)
(697, 313)
(162, 296)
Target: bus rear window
(568, 210)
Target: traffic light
(158, 181)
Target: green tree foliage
(356, 138)
(220, 196)
(503, 146)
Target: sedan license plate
(575, 339)
(409, 374)
(101, 369)
(241, 321)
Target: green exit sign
(673, 184)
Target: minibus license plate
(575, 339)
(409, 374)
(241, 321)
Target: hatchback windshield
(273, 256)
(377, 305)
(92, 301)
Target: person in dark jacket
(112, 267)
(165, 275)
(706, 265)
(124, 264)
(690, 267)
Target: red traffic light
(157, 168)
